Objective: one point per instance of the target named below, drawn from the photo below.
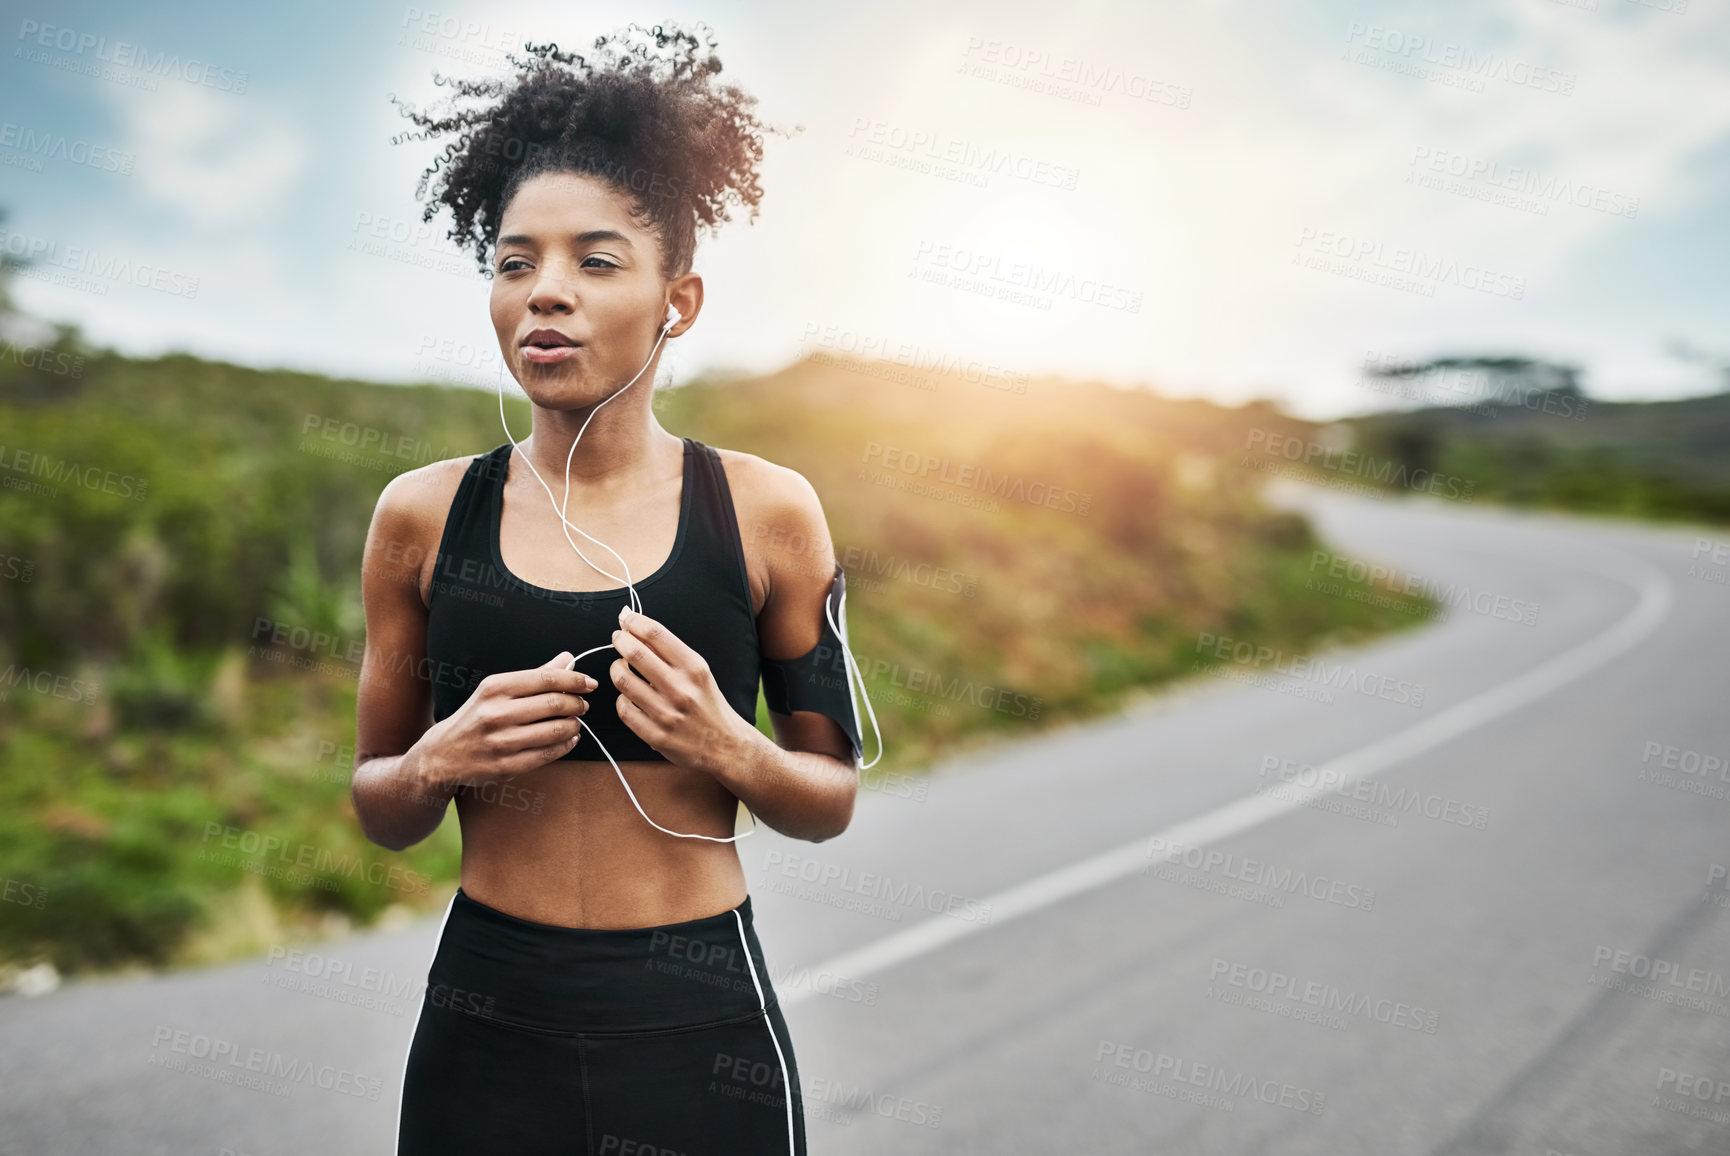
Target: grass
(191, 803)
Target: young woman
(598, 986)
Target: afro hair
(642, 112)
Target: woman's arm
(407, 767)
(394, 799)
(804, 782)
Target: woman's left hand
(674, 705)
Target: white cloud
(1200, 206)
(221, 160)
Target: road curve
(1461, 890)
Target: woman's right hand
(514, 722)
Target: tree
(1469, 381)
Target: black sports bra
(482, 619)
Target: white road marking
(1656, 599)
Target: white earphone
(673, 318)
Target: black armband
(818, 680)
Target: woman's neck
(620, 443)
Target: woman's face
(570, 261)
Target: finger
(637, 693)
(555, 674)
(533, 758)
(545, 704)
(639, 721)
(655, 635)
(640, 655)
(535, 736)
(557, 750)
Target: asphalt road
(1459, 891)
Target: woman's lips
(548, 354)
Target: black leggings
(654, 1041)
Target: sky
(1215, 199)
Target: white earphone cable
(852, 670)
(636, 600)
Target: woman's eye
(513, 264)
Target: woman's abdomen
(563, 845)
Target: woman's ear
(684, 302)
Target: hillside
(173, 782)
(1668, 459)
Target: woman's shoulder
(420, 498)
(766, 487)
(781, 519)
